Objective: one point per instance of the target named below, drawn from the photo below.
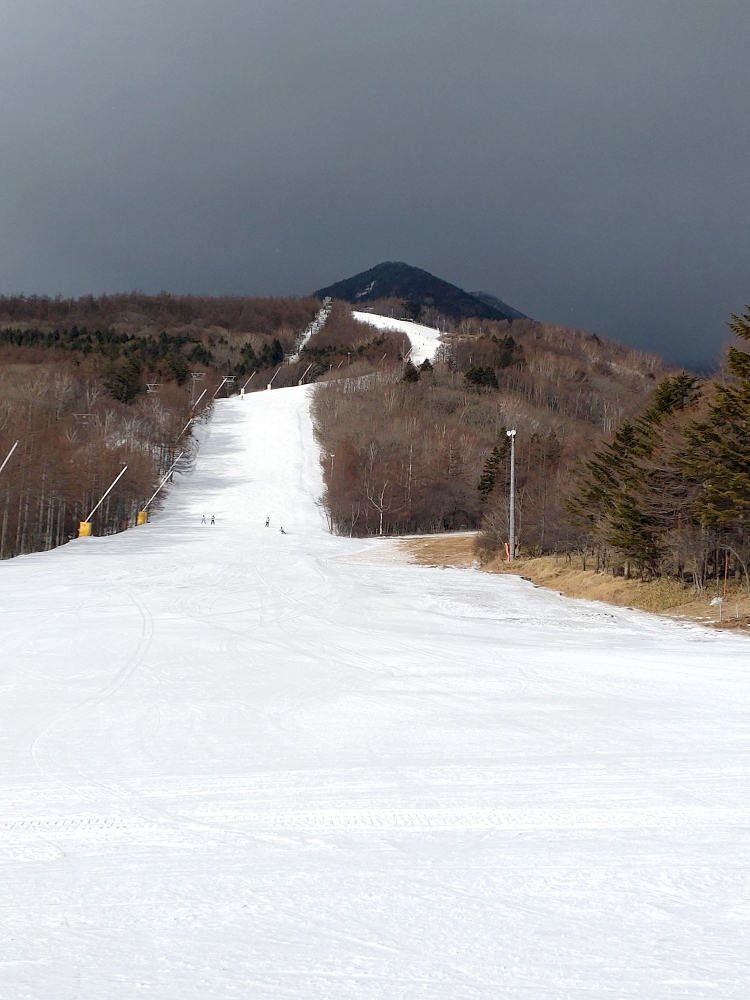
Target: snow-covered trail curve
(425, 340)
(235, 763)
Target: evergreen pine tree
(277, 352)
(509, 347)
(718, 448)
(491, 471)
(179, 367)
(124, 381)
(610, 502)
(482, 377)
(410, 373)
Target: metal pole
(193, 405)
(146, 505)
(219, 389)
(185, 428)
(305, 373)
(274, 376)
(248, 381)
(7, 457)
(104, 497)
(512, 511)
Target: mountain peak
(395, 279)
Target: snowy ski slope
(240, 764)
(424, 339)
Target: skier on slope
(203, 519)
(268, 521)
(282, 531)
(213, 519)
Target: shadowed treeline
(89, 385)
(669, 495)
(421, 451)
(74, 437)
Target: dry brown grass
(565, 574)
(442, 550)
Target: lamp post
(512, 506)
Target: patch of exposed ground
(442, 550)
(566, 575)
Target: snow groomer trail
(241, 763)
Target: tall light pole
(512, 505)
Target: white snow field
(236, 763)
(424, 339)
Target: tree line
(670, 493)
(419, 449)
(137, 312)
(89, 385)
(74, 436)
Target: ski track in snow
(424, 339)
(237, 763)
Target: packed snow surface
(236, 763)
(424, 339)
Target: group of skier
(213, 521)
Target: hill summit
(394, 279)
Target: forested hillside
(641, 469)
(167, 336)
(74, 436)
(346, 347)
(670, 494)
(411, 451)
(93, 384)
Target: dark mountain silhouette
(394, 279)
(495, 303)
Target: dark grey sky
(585, 160)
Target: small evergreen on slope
(410, 373)
(624, 498)
(492, 468)
(718, 448)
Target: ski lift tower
(196, 377)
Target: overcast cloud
(585, 160)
